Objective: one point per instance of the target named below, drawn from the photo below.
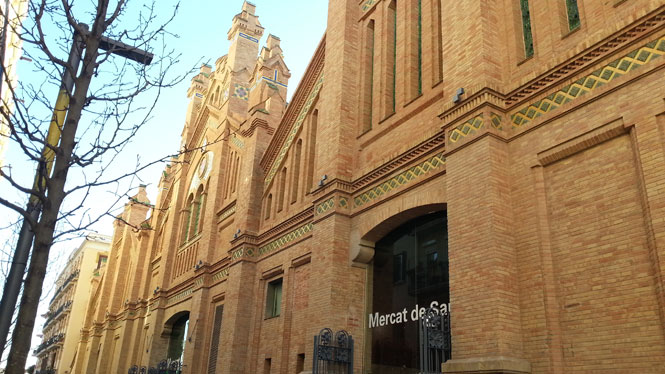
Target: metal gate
(164, 367)
(435, 341)
(333, 353)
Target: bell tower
(245, 33)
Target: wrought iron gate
(333, 353)
(164, 367)
(435, 341)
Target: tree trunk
(32, 292)
(21, 338)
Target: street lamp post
(26, 235)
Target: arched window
(236, 171)
(526, 28)
(390, 48)
(197, 212)
(573, 12)
(414, 57)
(202, 204)
(230, 166)
(296, 172)
(437, 42)
(367, 92)
(280, 191)
(193, 220)
(268, 206)
(186, 219)
(311, 153)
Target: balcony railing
(52, 316)
(65, 283)
(48, 343)
(167, 366)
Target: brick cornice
(434, 142)
(286, 225)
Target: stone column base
(487, 365)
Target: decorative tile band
(237, 253)
(240, 92)
(243, 35)
(496, 120)
(343, 202)
(238, 143)
(242, 252)
(367, 5)
(179, 296)
(227, 214)
(294, 131)
(224, 273)
(288, 238)
(598, 78)
(325, 206)
(470, 127)
(400, 180)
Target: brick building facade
(506, 158)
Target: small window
(267, 365)
(526, 28)
(573, 12)
(101, 261)
(300, 363)
(274, 298)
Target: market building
(64, 319)
(502, 161)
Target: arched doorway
(178, 335)
(409, 274)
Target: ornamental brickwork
(535, 130)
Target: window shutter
(214, 344)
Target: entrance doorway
(178, 337)
(410, 274)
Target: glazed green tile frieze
(471, 126)
(179, 296)
(224, 273)
(242, 252)
(401, 180)
(367, 5)
(286, 239)
(227, 214)
(325, 206)
(617, 68)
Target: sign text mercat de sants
(378, 320)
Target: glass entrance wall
(410, 274)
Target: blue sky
(201, 27)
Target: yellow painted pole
(52, 140)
